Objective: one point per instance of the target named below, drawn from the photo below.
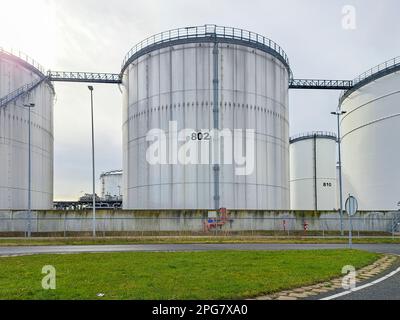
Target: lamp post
(93, 164)
(339, 141)
(29, 231)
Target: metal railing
(212, 31)
(91, 77)
(23, 56)
(312, 134)
(372, 74)
(380, 67)
(320, 84)
(12, 96)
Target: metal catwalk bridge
(116, 79)
(113, 78)
(320, 84)
(90, 77)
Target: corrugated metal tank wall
(14, 139)
(313, 181)
(370, 135)
(176, 84)
(254, 95)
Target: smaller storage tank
(111, 184)
(313, 181)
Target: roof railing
(380, 67)
(312, 134)
(208, 30)
(371, 74)
(23, 56)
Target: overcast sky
(94, 35)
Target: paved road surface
(386, 290)
(384, 248)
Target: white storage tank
(313, 181)
(111, 185)
(204, 78)
(370, 138)
(17, 73)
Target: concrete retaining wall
(114, 221)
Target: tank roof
(206, 33)
(312, 135)
(24, 60)
(377, 72)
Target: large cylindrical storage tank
(206, 78)
(15, 74)
(111, 185)
(313, 172)
(370, 138)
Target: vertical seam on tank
(235, 110)
(274, 126)
(147, 124)
(221, 115)
(185, 182)
(197, 123)
(267, 125)
(171, 171)
(216, 122)
(245, 110)
(315, 172)
(136, 130)
(159, 102)
(211, 118)
(284, 133)
(256, 125)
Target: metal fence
(65, 225)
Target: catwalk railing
(89, 77)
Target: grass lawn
(187, 240)
(177, 275)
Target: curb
(366, 273)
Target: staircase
(14, 95)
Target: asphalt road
(28, 250)
(158, 248)
(386, 290)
